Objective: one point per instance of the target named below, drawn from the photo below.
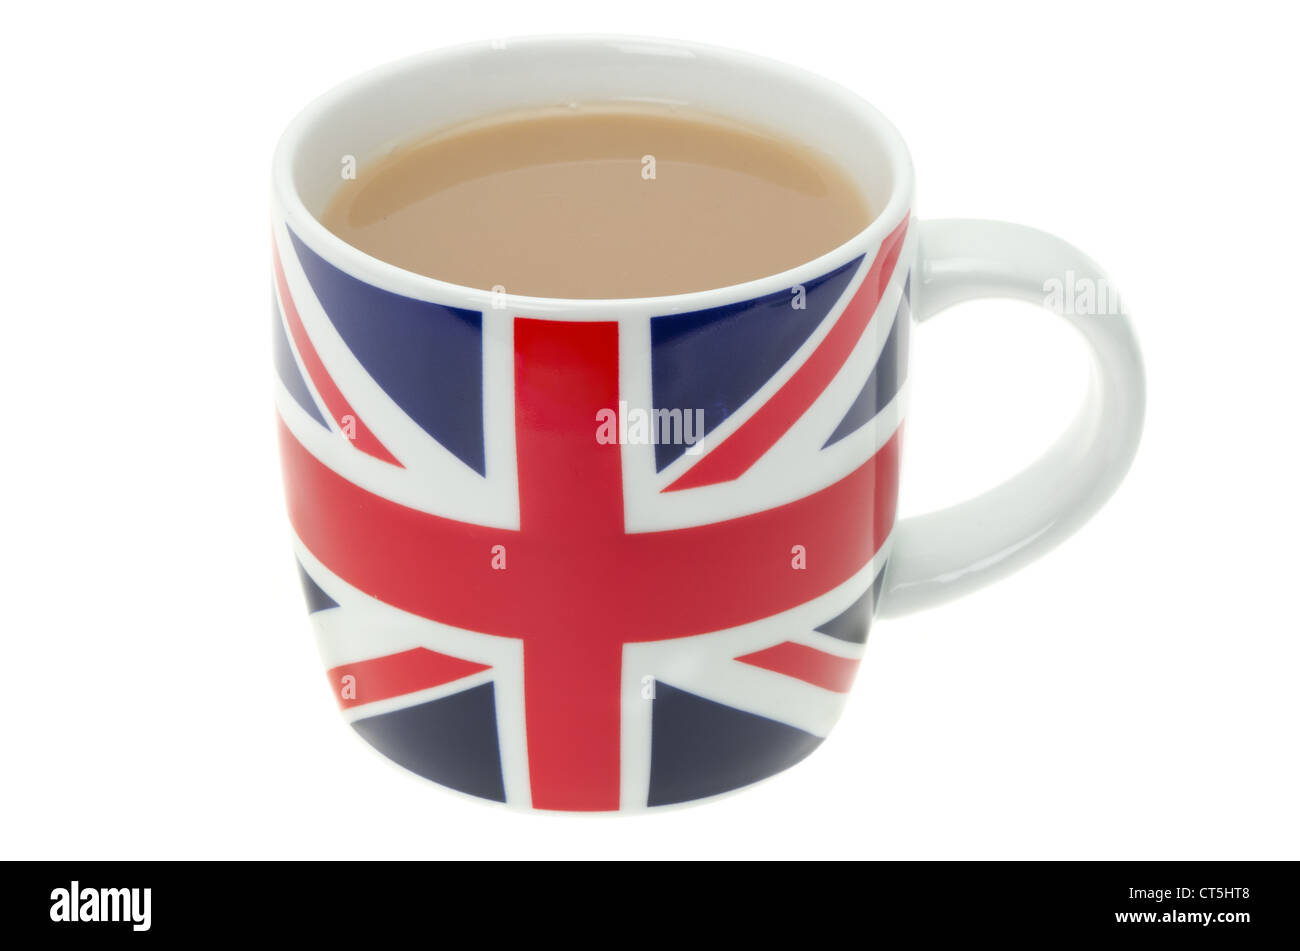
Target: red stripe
(733, 457)
(635, 587)
(806, 663)
(335, 401)
(571, 498)
(570, 484)
(397, 674)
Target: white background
(1133, 694)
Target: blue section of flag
(714, 360)
(701, 748)
(885, 381)
(854, 622)
(287, 367)
(427, 357)
(451, 740)
(317, 599)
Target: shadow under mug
(521, 597)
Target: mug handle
(941, 555)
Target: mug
(612, 555)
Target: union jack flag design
(518, 610)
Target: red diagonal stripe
(335, 401)
(807, 664)
(733, 457)
(383, 677)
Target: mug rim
(399, 280)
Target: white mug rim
(422, 287)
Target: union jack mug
(519, 610)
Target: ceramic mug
(598, 555)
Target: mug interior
(372, 114)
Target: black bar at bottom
(1221, 902)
